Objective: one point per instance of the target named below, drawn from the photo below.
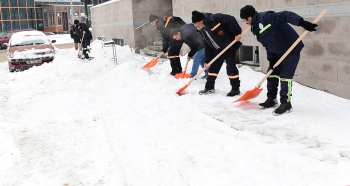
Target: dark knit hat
(152, 18)
(197, 16)
(247, 11)
(76, 22)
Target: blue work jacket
(273, 31)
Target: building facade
(325, 59)
(43, 15)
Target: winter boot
(270, 102)
(233, 93)
(283, 108)
(206, 91)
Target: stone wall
(325, 59)
(113, 20)
(120, 18)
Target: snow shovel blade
(151, 63)
(182, 75)
(182, 89)
(250, 94)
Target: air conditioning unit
(249, 55)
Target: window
(4, 3)
(24, 24)
(22, 3)
(46, 19)
(13, 3)
(39, 13)
(249, 55)
(31, 13)
(51, 19)
(22, 13)
(0, 27)
(15, 25)
(59, 18)
(30, 3)
(40, 25)
(7, 25)
(5, 14)
(14, 13)
(32, 24)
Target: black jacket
(165, 27)
(192, 38)
(222, 28)
(82, 27)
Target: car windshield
(2, 34)
(29, 40)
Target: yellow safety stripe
(266, 27)
(273, 76)
(216, 26)
(233, 77)
(167, 21)
(289, 93)
(212, 74)
(170, 57)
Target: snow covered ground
(75, 122)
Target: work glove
(308, 25)
(164, 50)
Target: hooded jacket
(274, 33)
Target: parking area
(3, 57)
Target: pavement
(3, 57)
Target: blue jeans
(198, 59)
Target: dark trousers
(282, 74)
(231, 69)
(86, 43)
(174, 50)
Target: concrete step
(158, 43)
(153, 53)
(155, 48)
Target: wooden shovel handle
(216, 57)
(186, 64)
(290, 49)
(79, 47)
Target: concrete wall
(146, 34)
(120, 18)
(113, 20)
(325, 59)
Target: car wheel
(0, 46)
(11, 70)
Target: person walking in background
(276, 35)
(86, 36)
(74, 35)
(170, 45)
(218, 31)
(188, 33)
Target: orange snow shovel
(211, 62)
(256, 91)
(183, 74)
(152, 62)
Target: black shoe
(283, 108)
(233, 93)
(206, 91)
(204, 77)
(270, 102)
(172, 73)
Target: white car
(29, 48)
